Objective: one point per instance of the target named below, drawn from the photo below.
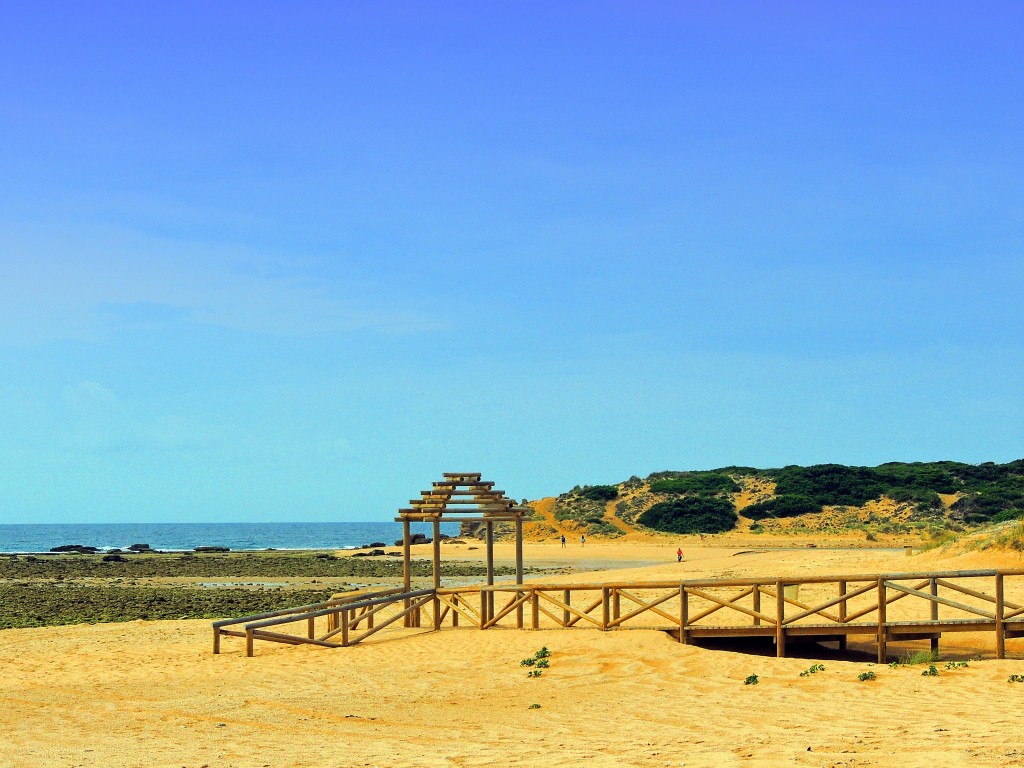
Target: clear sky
(291, 261)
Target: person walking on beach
(583, 540)
(679, 555)
(563, 541)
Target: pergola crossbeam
(463, 497)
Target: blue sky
(260, 262)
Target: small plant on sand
(1015, 679)
(865, 676)
(957, 665)
(543, 653)
(813, 669)
(543, 663)
(534, 673)
(534, 706)
(751, 680)
(912, 659)
(932, 671)
(528, 662)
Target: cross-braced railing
(883, 607)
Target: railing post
(881, 620)
(406, 571)
(369, 619)
(216, 639)
(616, 610)
(344, 627)
(780, 620)
(1000, 632)
(567, 599)
(248, 642)
(605, 607)
(484, 601)
(535, 609)
(311, 627)
(455, 612)
(489, 530)
(933, 585)
(435, 604)
(684, 614)
(519, 570)
(842, 614)
(757, 603)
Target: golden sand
(152, 694)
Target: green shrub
(698, 483)
(599, 492)
(691, 514)
(789, 505)
(751, 680)
(1007, 515)
(932, 671)
(830, 484)
(865, 676)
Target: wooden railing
(882, 607)
(341, 618)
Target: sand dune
(152, 694)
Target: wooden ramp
(881, 607)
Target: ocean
(185, 536)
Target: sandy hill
(891, 501)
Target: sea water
(185, 536)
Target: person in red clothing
(679, 555)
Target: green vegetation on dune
(788, 505)
(599, 492)
(987, 489)
(691, 514)
(698, 482)
(987, 492)
(585, 507)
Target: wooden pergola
(461, 497)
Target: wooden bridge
(881, 608)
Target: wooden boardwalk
(880, 607)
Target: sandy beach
(152, 694)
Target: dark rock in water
(114, 551)
(79, 548)
(113, 559)
(416, 538)
(376, 552)
(140, 548)
(212, 549)
(443, 536)
(374, 545)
